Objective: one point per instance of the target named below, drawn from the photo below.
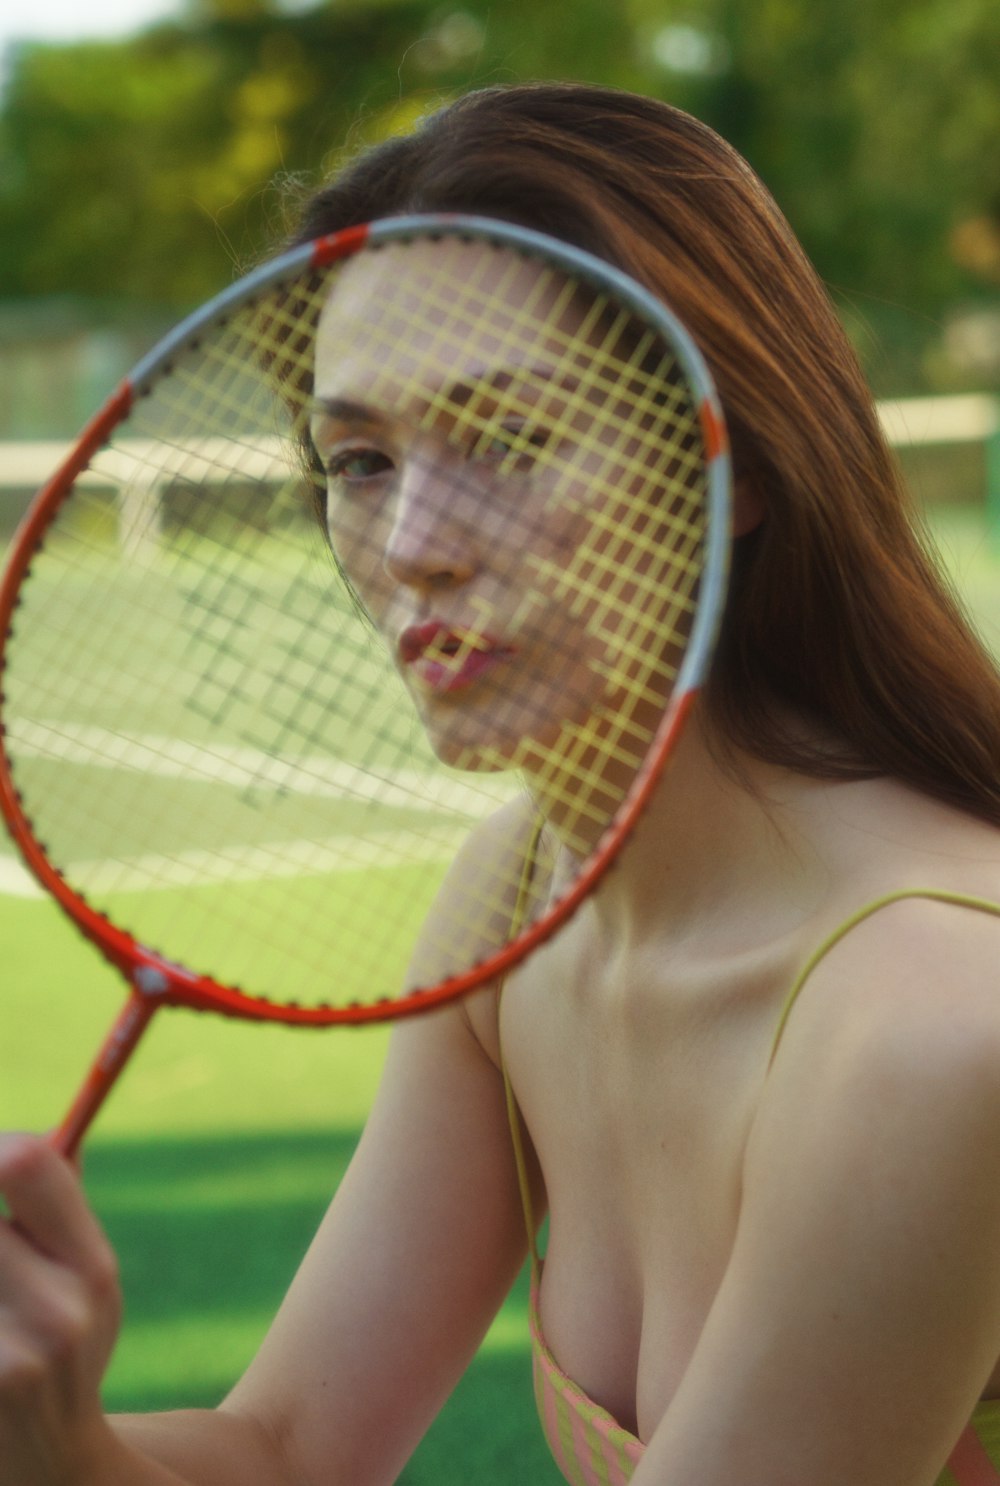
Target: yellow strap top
(962, 900)
(590, 1448)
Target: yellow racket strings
(223, 753)
(591, 408)
(592, 405)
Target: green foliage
(146, 169)
(873, 121)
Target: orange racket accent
(406, 552)
(713, 430)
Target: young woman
(756, 1083)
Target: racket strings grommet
(151, 981)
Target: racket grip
(129, 1026)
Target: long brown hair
(838, 619)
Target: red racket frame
(155, 981)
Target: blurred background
(139, 171)
(150, 150)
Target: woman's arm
(859, 1318)
(423, 1241)
(414, 1257)
(407, 1271)
(412, 1261)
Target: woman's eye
(515, 448)
(355, 466)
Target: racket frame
(156, 981)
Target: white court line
(280, 859)
(16, 881)
(151, 871)
(248, 768)
(459, 803)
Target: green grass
(214, 1159)
(192, 1074)
(210, 1168)
(209, 1230)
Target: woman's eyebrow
(455, 394)
(344, 410)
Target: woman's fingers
(59, 1313)
(46, 1203)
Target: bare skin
(776, 1272)
(814, 1245)
(689, 1036)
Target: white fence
(910, 423)
(968, 418)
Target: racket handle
(129, 1026)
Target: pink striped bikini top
(592, 1449)
(588, 1444)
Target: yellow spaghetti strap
(514, 1119)
(961, 900)
(513, 1113)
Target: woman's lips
(448, 660)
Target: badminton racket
(409, 547)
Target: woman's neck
(716, 846)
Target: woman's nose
(435, 537)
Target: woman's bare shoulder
(907, 991)
(474, 910)
(867, 1238)
(905, 839)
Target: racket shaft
(114, 1054)
(410, 543)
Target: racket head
(243, 765)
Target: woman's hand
(60, 1308)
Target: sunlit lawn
(217, 1154)
(210, 1167)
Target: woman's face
(496, 499)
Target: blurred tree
(125, 167)
(875, 123)
(143, 170)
